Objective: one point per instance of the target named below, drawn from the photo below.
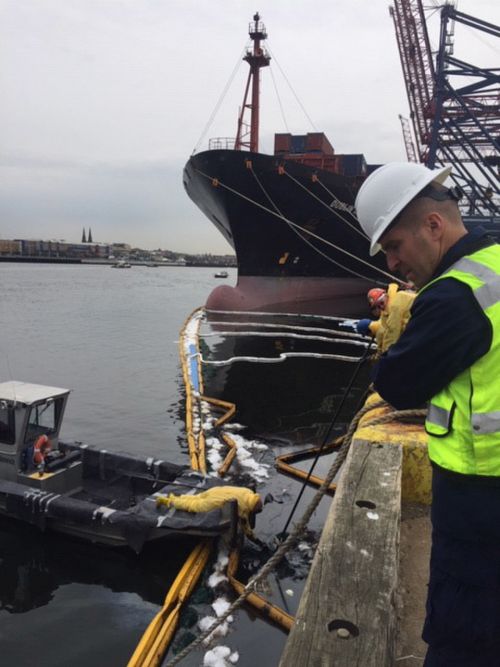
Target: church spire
(90, 236)
(84, 240)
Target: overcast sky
(103, 101)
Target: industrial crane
(454, 105)
(411, 152)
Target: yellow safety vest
(463, 420)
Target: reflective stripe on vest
(486, 422)
(438, 416)
(489, 293)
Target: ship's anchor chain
(302, 524)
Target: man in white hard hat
(448, 357)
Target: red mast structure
(256, 57)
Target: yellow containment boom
(193, 382)
(155, 640)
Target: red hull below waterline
(344, 297)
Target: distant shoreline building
(40, 250)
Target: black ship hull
(299, 248)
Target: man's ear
(435, 225)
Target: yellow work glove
(164, 500)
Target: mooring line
(307, 231)
(358, 230)
(302, 238)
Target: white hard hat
(387, 191)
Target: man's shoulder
(449, 306)
(444, 289)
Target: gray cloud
(103, 102)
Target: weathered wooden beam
(347, 615)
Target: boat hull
(298, 245)
(109, 498)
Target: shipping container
(282, 143)
(298, 143)
(313, 161)
(330, 163)
(354, 165)
(333, 163)
(318, 142)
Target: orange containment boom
(265, 608)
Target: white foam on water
(220, 656)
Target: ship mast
(256, 58)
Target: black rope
(282, 535)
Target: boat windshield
(44, 419)
(7, 424)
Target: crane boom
(454, 104)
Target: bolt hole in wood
(366, 503)
(344, 629)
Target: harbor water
(112, 338)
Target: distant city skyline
(104, 102)
(86, 240)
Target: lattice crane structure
(411, 152)
(454, 105)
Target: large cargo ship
(289, 216)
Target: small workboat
(95, 494)
(121, 264)
(221, 274)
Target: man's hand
(363, 327)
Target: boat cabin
(27, 412)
